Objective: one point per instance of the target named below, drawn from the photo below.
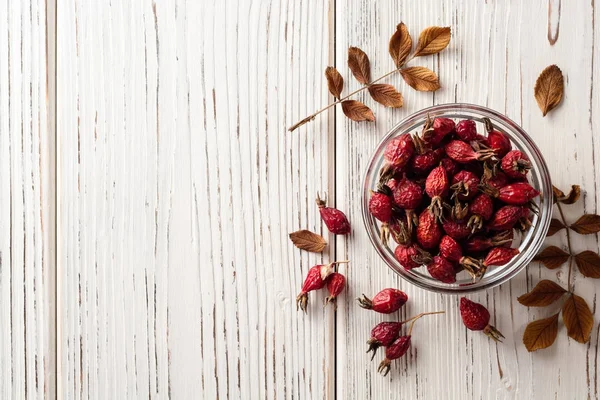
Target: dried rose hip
(436, 187)
(315, 279)
(496, 182)
(335, 285)
(499, 256)
(400, 233)
(516, 194)
(515, 164)
(442, 270)
(482, 140)
(421, 164)
(380, 205)
(466, 130)
(411, 256)
(400, 150)
(506, 218)
(441, 128)
(477, 318)
(386, 302)
(464, 185)
(383, 334)
(336, 221)
(429, 232)
(393, 352)
(450, 166)
(450, 249)
(463, 153)
(499, 143)
(480, 243)
(457, 230)
(482, 208)
(408, 195)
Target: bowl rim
(518, 263)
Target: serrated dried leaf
(587, 224)
(578, 318)
(588, 263)
(357, 111)
(543, 294)
(306, 240)
(359, 64)
(555, 226)
(573, 195)
(552, 257)
(432, 40)
(400, 45)
(335, 82)
(549, 88)
(558, 194)
(386, 94)
(541, 333)
(421, 78)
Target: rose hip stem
(414, 319)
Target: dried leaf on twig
(306, 240)
(432, 40)
(549, 88)
(335, 82)
(577, 318)
(421, 78)
(573, 195)
(400, 45)
(587, 224)
(555, 226)
(386, 95)
(541, 333)
(552, 257)
(357, 111)
(588, 263)
(359, 64)
(543, 294)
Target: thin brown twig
(564, 221)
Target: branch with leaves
(432, 40)
(576, 314)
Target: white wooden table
(148, 184)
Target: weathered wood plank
(178, 187)
(26, 203)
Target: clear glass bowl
(528, 242)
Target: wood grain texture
(178, 187)
(496, 53)
(26, 204)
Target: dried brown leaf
(573, 195)
(359, 64)
(541, 333)
(432, 40)
(335, 82)
(421, 78)
(552, 257)
(586, 224)
(306, 240)
(386, 95)
(549, 88)
(400, 45)
(543, 294)
(577, 318)
(558, 194)
(588, 263)
(555, 226)
(357, 111)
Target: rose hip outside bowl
(528, 242)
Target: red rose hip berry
(380, 206)
(505, 218)
(429, 232)
(336, 221)
(436, 187)
(499, 143)
(410, 256)
(393, 352)
(335, 285)
(482, 208)
(477, 318)
(457, 230)
(385, 302)
(463, 153)
(315, 279)
(400, 150)
(421, 164)
(515, 164)
(464, 185)
(383, 334)
(466, 130)
(450, 249)
(442, 270)
(482, 243)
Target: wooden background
(148, 185)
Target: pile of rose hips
(450, 198)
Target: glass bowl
(528, 242)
